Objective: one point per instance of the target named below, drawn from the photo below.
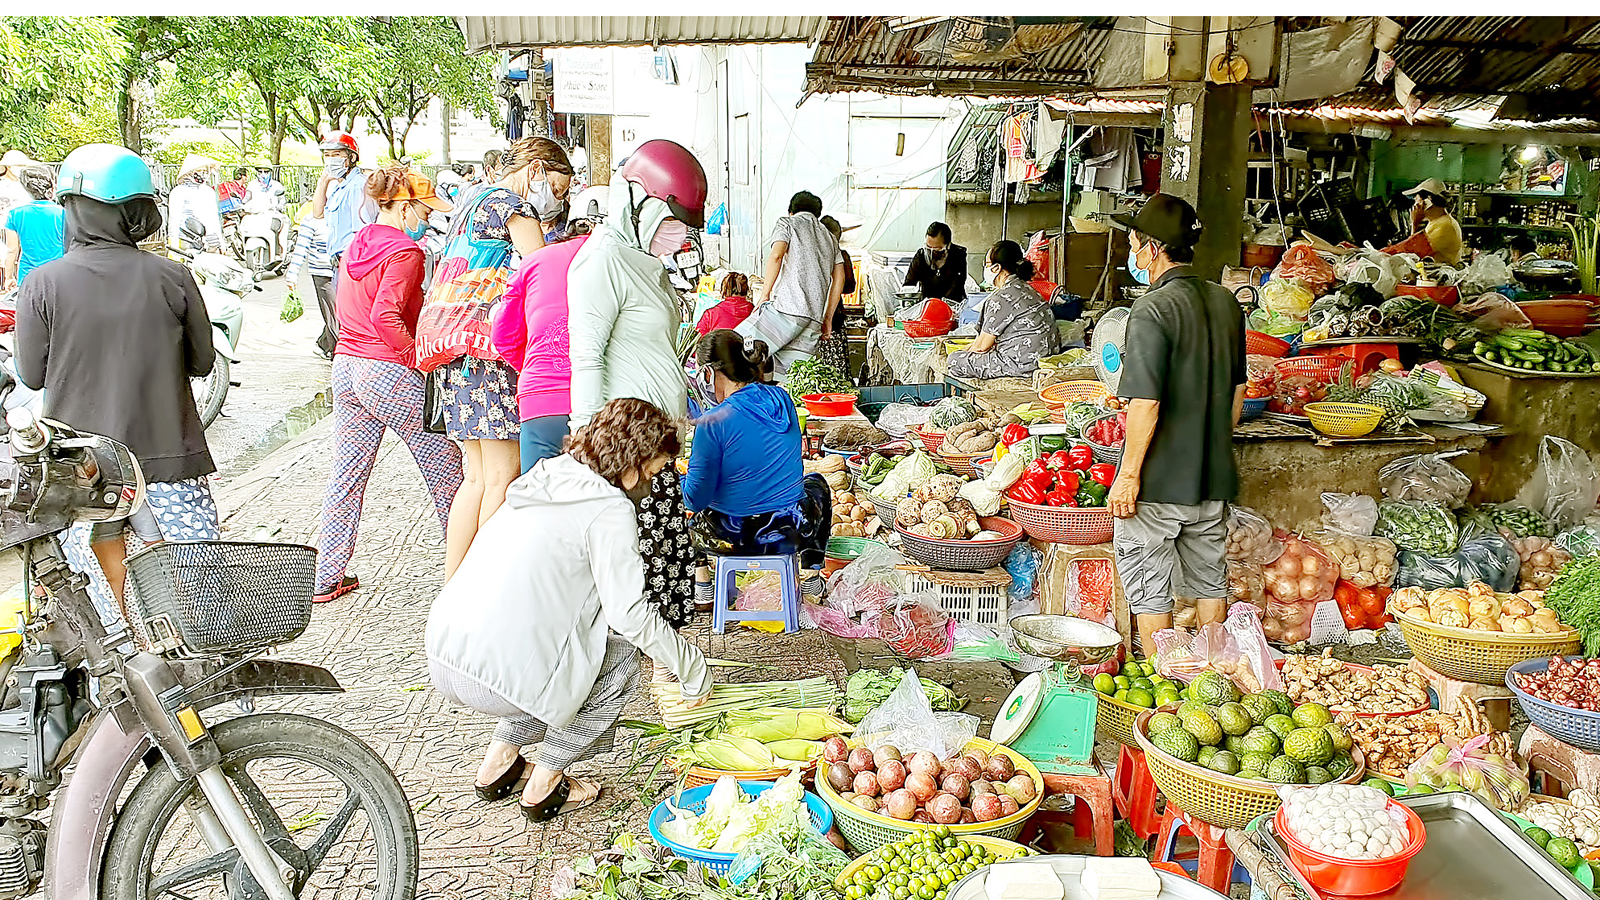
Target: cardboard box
(1055, 582)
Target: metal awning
(523, 32)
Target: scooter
(105, 725)
(223, 285)
(262, 234)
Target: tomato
(1371, 603)
(1353, 617)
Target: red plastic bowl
(1352, 877)
(1444, 295)
(829, 405)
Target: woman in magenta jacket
(530, 332)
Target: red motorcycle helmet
(669, 172)
(340, 140)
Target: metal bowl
(1065, 639)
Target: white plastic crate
(980, 598)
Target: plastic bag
(1565, 483)
(977, 643)
(1355, 514)
(1247, 583)
(1279, 326)
(1483, 275)
(1303, 264)
(760, 592)
(1496, 780)
(1488, 558)
(1425, 476)
(869, 583)
(1261, 372)
(906, 719)
(1091, 591)
(915, 626)
(1364, 560)
(1579, 540)
(1373, 269)
(1288, 622)
(1237, 648)
(1250, 537)
(1289, 299)
(1418, 525)
(1493, 311)
(794, 844)
(1022, 564)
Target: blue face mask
(417, 233)
(1139, 274)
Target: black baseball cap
(1168, 219)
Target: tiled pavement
(372, 641)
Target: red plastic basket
(829, 405)
(1063, 524)
(1444, 295)
(1353, 877)
(932, 440)
(1325, 368)
(962, 463)
(1261, 343)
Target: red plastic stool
(1214, 865)
(1366, 356)
(1135, 794)
(1097, 806)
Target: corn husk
(795, 750)
(730, 754)
(779, 724)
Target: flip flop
(501, 787)
(556, 804)
(345, 586)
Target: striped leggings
(591, 732)
(368, 396)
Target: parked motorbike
(232, 240)
(223, 285)
(107, 727)
(263, 234)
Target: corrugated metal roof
(518, 32)
(1549, 64)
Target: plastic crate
(874, 400)
(981, 598)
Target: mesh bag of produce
(1425, 476)
(1250, 537)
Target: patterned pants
(369, 396)
(590, 733)
(669, 554)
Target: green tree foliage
(422, 58)
(55, 77)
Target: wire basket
(978, 597)
(1063, 392)
(932, 440)
(962, 555)
(192, 599)
(1253, 407)
(867, 831)
(962, 463)
(1482, 657)
(1578, 727)
(694, 800)
(1116, 718)
(1349, 420)
(1225, 801)
(1063, 524)
(997, 846)
(1262, 344)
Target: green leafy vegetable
(868, 688)
(950, 412)
(813, 376)
(1575, 596)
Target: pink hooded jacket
(530, 330)
(380, 295)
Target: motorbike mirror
(194, 227)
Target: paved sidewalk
(372, 640)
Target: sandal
(501, 787)
(556, 804)
(345, 586)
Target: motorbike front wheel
(255, 259)
(323, 800)
(210, 391)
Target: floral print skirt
(481, 401)
(669, 554)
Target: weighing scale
(1050, 717)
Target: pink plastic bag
(1499, 781)
(1237, 648)
(1305, 265)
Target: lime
(1538, 836)
(1143, 684)
(1564, 852)
(1380, 784)
(1420, 789)
(1130, 669)
(1105, 684)
(1121, 694)
(1141, 698)
(1122, 681)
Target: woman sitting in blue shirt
(746, 485)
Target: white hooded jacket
(553, 569)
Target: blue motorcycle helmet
(105, 172)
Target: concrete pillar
(1203, 161)
(446, 113)
(598, 129)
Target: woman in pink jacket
(530, 333)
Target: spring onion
(726, 698)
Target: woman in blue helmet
(113, 334)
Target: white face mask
(991, 273)
(543, 199)
(669, 237)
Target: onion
(1542, 559)
(1310, 587)
(892, 775)
(1310, 564)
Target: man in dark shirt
(940, 268)
(1184, 380)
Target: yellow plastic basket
(1115, 719)
(1348, 420)
(996, 846)
(1221, 800)
(868, 831)
(1482, 657)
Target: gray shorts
(1160, 537)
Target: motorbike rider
(192, 195)
(267, 191)
(113, 335)
(341, 195)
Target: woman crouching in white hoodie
(524, 630)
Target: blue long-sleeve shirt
(746, 456)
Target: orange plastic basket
(1063, 524)
(932, 440)
(1263, 344)
(1061, 393)
(1324, 368)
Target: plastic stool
(1095, 793)
(728, 569)
(1135, 794)
(1366, 356)
(1214, 866)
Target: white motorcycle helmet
(592, 203)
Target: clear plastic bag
(1022, 564)
(1303, 264)
(1565, 483)
(1425, 476)
(791, 845)
(1364, 560)
(1418, 526)
(1275, 324)
(761, 592)
(1492, 311)
(1286, 298)
(1488, 558)
(1247, 583)
(1237, 648)
(1484, 274)
(1350, 513)
(1579, 540)
(915, 626)
(906, 719)
(868, 583)
(1250, 537)
(1498, 781)
(972, 642)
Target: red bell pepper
(1038, 474)
(1103, 473)
(1061, 496)
(1025, 491)
(1068, 480)
(1080, 457)
(1013, 433)
(1061, 459)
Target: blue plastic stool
(729, 567)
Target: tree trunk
(128, 116)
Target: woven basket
(695, 776)
(1262, 344)
(868, 831)
(1063, 524)
(1222, 800)
(932, 440)
(963, 556)
(1063, 392)
(994, 845)
(1578, 727)
(962, 463)
(1116, 718)
(1348, 420)
(1482, 657)
(1322, 367)
(694, 800)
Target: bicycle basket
(206, 598)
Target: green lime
(1121, 694)
(1144, 683)
(1142, 698)
(1130, 670)
(1538, 836)
(1380, 784)
(1122, 681)
(1420, 789)
(1564, 852)
(1105, 684)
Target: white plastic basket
(979, 597)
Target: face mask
(1139, 274)
(543, 199)
(991, 273)
(266, 179)
(335, 167)
(416, 234)
(669, 238)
